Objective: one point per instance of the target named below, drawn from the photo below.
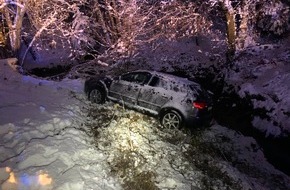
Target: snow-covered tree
(148, 22)
(246, 17)
(121, 26)
(60, 22)
(273, 17)
(53, 19)
(115, 25)
(13, 12)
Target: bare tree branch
(48, 22)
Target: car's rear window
(202, 94)
(195, 87)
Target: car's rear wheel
(97, 96)
(171, 119)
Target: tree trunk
(116, 17)
(15, 27)
(2, 37)
(112, 19)
(101, 20)
(243, 33)
(231, 35)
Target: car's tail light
(199, 105)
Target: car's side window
(139, 78)
(142, 78)
(159, 82)
(154, 81)
(128, 77)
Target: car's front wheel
(171, 119)
(97, 96)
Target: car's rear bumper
(199, 120)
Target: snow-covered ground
(52, 138)
(41, 143)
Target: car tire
(97, 96)
(171, 119)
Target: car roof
(167, 76)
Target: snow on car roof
(167, 76)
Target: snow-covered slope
(41, 143)
(52, 138)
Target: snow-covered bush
(273, 17)
(261, 75)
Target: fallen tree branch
(46, 24)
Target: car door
(154, 95)
(126, 89)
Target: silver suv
(176, 101)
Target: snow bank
(261, 74)
(42, 143)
